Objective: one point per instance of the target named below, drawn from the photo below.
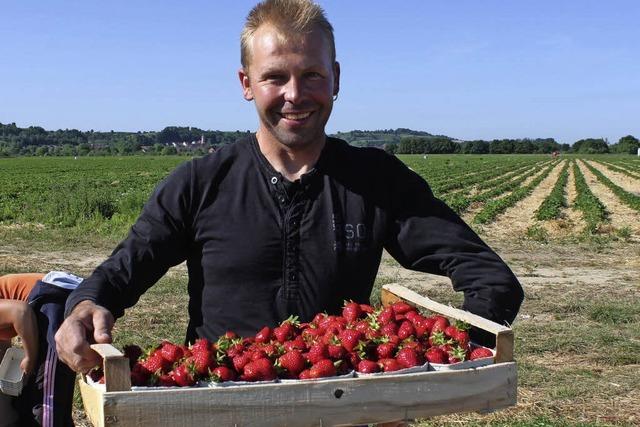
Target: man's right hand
(88, 323)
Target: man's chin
(299, 139)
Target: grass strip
(552, 206)
(593, 211)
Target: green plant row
(593, 211)
(552, 206)
(495, 207)
(621, 169)
(630, 199)
(507, 177)
(459, 202)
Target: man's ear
(247, 93)
(336, 78)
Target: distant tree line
(444, 145)
(36, 141)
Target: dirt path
(620, 215)
(517, 219)
(623, 181)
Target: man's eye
(314, 75)
(275, 77)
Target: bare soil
(620, 215)
(623, 181)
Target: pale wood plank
(92, 398)
(363, 400)
(417, 299)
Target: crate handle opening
(117, 373)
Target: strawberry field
(569, 227)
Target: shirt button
(281, 199)
(274, 180)
(292, 276)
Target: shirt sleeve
(158, 240)
(428, 236)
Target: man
(287, 221)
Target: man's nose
(293, 90)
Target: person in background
(32, 308)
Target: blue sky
(467, 69)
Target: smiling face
(292, 83)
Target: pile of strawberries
(362, 339)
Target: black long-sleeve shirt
(259, 248)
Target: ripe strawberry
(263, 335)
(401, 307)
(267, 370)
(258, 354)
(203, 361)
(323, 368)
(240, 361)
(412, 316)
(336, 351)
(423, 327)
(389, 329)
(385, 316)
(368, 367)
(166, 380)
(385, 350)
(139, 375)
(286, 330)
(222, 374)
(436, 355)
(295, 344)
(389, 365)
(408, 357)
(155, 362)
(462, 338)
(406, 330)
(171, 352)
(201, 344)
(311, 334)
(349, 338)
(305, 375)
(440, 323)
(183, 376)
(317, 352)
(480, 353)
(293, 361)
(351, 311)
(319, 318)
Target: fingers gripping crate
(340, 401)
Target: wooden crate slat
(362, 400)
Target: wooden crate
(345, 401)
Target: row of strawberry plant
(470, 181)
(509, 176)
(497, 206)
(630, 199)
(552, 205)
(593, 211)
(459, 202)
(621, 169)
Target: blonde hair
(291, 18)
